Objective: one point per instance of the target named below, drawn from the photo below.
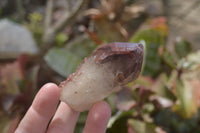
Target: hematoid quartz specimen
(107, 68)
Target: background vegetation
(164, 99)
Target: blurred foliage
(61, 39)
(140, 127)
(66, 64)
(18, 88)
(71, 56)
(171, 122)
(152, 41)
(182, 47)
(34, 24)
(153, 38)
(164, 99)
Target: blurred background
(44, 41)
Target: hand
(64, 118)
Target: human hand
(64, 118)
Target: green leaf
(182, 47)
(188, 84)
(111, 100)
(118, 123)
(171, 122)
(152, 40)
(62, 61)
(61, 38)
(191, 62)
(34, 24)
(82, 46)
(168, 59)
(162, 85)
(186, 92)
(65, 60)
(141, 127)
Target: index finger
(41, 110)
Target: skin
(44, 107)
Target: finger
(98, 118)
(41, 110)
(64, 120)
